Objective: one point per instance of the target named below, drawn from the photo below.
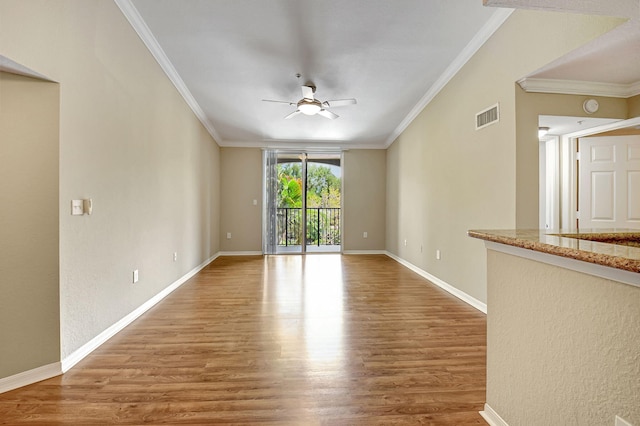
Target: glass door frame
(270, 202)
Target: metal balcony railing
(323, 226)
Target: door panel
(609, 182)
(603, 200)
(633, 193)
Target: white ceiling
(392, 56)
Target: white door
(609, 182)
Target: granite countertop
(620, 251)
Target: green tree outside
(323, 192)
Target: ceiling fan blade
(307, 92)
(339, 102)
(328, 114)
(293, 114)
(279, 102)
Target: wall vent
(488, 117)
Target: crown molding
(490, 27)
(143, 31)
(574, 87)
(328, 145)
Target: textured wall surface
(563, 347)
(29, 242)
(634, 106)
(444, 177)
(128, 141)
(364, 199)
(241, 183)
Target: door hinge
(577, 214)
(577, 156)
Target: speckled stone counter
(624, 254)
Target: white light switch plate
(77, 207)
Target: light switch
(255, 202)
(77, 207)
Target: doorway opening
(303, 202)
(589, 173)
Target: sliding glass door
(302, 202)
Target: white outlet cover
(135, 276)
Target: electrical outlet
(622, 422)
(405, 242)
(437, 254)
(175, 256)
(228, 235)
(135, 276)
(365, 234)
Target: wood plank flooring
(280, 340)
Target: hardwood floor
(280, 340)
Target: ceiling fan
(309, 105)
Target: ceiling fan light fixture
(309, 108)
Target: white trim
(240, 253)
(79, 354)
(606, 272)
(30, 376)
(147, 37)
(497, 19)
(481, 306)
(575, 87)
(298, 144)
(492, 417)
(364, 252)
(605, 128)
(12, 67)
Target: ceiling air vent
(488, 117)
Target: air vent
(488, 117)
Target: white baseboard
(240, 253)
(364, 252)
(492, 417)
(79, 354)
(30, 376)
(481, 306)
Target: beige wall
(364, 172)
(363, 199)
(528, 107)
(633, 105)
(562, 346)
(29, 302)
(128, 141)
(241, 183)
(444, 177)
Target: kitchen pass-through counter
(563, 327)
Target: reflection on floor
(310, 249)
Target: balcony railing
(323, 226)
